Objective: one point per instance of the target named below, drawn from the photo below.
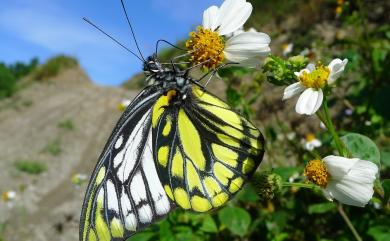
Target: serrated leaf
(321, 208)
(237, 220)
(362, 147)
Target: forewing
(205, 151)
(125, 194)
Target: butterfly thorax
(172, 80)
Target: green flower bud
(267, 184)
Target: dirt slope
(47, 206)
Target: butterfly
(176, 145)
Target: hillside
(62, 124)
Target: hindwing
(125, 194)
(205, 151)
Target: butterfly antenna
(132, 30)
(167, 42)
(112, 38)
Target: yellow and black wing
(125, 194)
(205, 151)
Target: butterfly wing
(125, 194)
(205, 151)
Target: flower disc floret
(316, 79)
(316, 172)
(206, 48)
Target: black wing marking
(125, 194)
(208, 150)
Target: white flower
(123, 105)
(207, 46)
(312, 80)
(348, 180)
(311, 142)
(78, 179)
(287, 48)
(8, 196)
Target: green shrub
(66, 125)
(54, 148)
(30, 167)
(7, 82)
(20, 69)
(53, 66)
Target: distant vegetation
(10, 74)
(53, 66)
(30, 167)
(66, 124)
(54, 148)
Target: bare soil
(47, 206)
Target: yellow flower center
(310, 137)
(206, 47)
(317, 173)
(317, 78)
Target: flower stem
(327, 120)
(349, 223)
(299, 184)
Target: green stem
(327, 120)
(299, 184)
(348, 222)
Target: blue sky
(44, 28)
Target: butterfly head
(152, 66)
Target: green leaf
(287, 172)
(165, 231)
(233, 97)
(385, 157)
(237, 220)
(362, 147)
(143, 236)
(233, 72)
(321, 208)
(247, 194)
(386, 188)
(379, 233)
(209, 225)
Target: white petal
(309, 101)
(339, 166)
(316, 143)
(245, 46)
(328, 195)
(364, 172)
(336, 68)
(211, 18)
(233, 14)
(308, 69)
(351, 179)
(311, 67)
(309, 146)
(350, 192)
(292, 90)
